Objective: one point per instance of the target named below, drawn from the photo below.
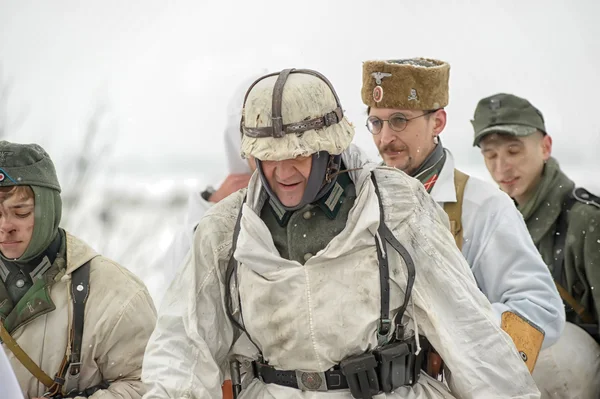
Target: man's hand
(232, 183)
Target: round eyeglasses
(397, 122)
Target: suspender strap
(230, 273)
(386, 235)
(454, 209)
(80, 290)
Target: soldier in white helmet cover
(328, 277)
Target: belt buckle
(311, 381)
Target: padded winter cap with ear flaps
(30, 165)
(311, 117)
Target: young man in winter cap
(406, 100)
(328, 276)
(564, 222)
(74, 323)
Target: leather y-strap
(454, 209)
(384, 273)
(80, 289)
(231, 273)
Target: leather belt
(332, 379)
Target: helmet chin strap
(323, 174)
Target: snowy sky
(165, 69)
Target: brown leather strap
(277, 100)
(25, 360)
(454, 209)
(577, 307)
(278, 129)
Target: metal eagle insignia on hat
(378, 90)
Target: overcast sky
(166, 69)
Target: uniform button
(307, 215)
(307, 256)
(20, 283)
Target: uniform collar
(330, 204)
(444, 190)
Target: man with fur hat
(406, 100)
(564, 222)
(73, 323)
(327, 277)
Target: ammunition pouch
(361, 374)
(384, 370)
(399, 365)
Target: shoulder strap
(584, 196)
(454, 209)
(384, 273)
(23, 358)
(80, 289)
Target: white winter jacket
(310, 317)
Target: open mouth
(393, 153)
(288, 186)
(509, 182)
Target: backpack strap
(454, 209)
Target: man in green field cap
(73, 323)
(564, 222)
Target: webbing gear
(384, 273)
(372, 371)
(389, 367)
(79, 292)
(454, 209)
(86, 393)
